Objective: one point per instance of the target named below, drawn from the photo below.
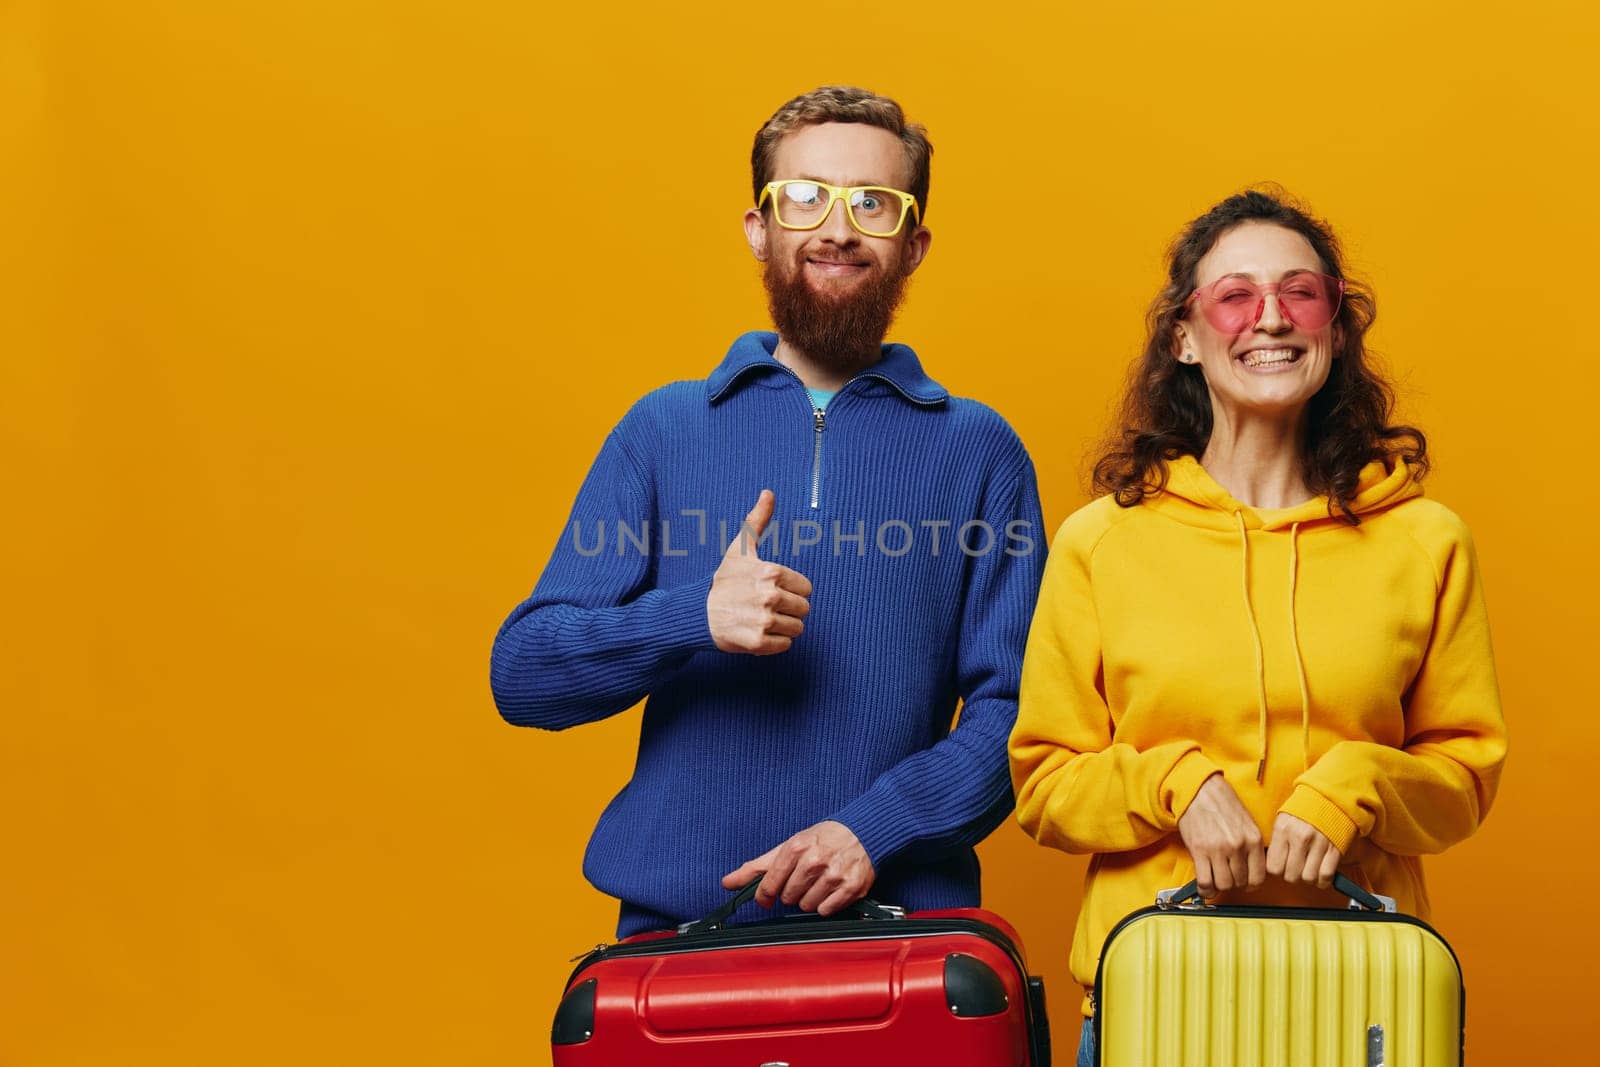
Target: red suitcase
(876, 986)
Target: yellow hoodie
(1341, 674)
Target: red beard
(843, 331)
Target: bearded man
(803, 658)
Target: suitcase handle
(1360, 899)
(865, 908)
(723, 913)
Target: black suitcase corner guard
(971, 987)
(575, 1017)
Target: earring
(1188, 357)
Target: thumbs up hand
(756, 605)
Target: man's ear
(917, 247)
(755, 231)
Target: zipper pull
(819, 417)
(601, 947)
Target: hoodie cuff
(1184, 781)
(1311, 806)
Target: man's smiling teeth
(1260, 357)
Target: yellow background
(313, 315)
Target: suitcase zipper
(585, 956)
(800, 931)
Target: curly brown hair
(843, 103)
(1166, 409)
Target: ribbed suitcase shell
(1277, 987)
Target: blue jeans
(1086, 1044)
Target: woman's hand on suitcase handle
(1301, 853)
(1222, 839)
(822, 868)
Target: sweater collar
(752, 353)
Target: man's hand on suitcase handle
(822, 868)
(1301, 853)
(756, 605)
(1222, 839)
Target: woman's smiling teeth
(1265, 357)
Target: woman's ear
(1181, 348)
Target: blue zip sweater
(916, 517)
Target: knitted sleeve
(596, 636)
(953, 794)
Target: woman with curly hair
(1262, 655)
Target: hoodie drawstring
(1299, 667)
(1255, 634)
(1294, 642)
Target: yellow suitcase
(1186, 984)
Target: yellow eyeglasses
(874, 210)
